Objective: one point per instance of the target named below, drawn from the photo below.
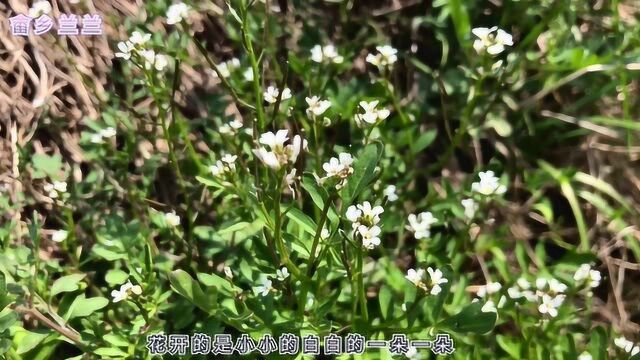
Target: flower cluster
(230, 128)
(491, 40)
(225, 68)
(364, 219)
(372, 115)
(134, 46)
(55, 190)
(226, 165)
(100, 136)
(420, 224)
(177, 12)
(339, 168)
(278, 154)
(390, 193)
(271, 95)
(586, 276)
(326, 54)
(317, 106)
(489, 184)
(549, 294)
(385, 57)
(626, 345)
(125, 292)
(432, 286)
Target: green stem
(257, 88)
(361, 293)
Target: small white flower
(489, 184)
(492, 43)
(340, 168)
(556, 286)
(327, 53)
(550, 304)
(271, 95)
(372, 115)
(228, 273)
(470, 208)
(420, 224)
(248, 74)
(282, 274)
(489, 306)
(59, 235)
(225, 165)
(627, 346)
(523, 283)
(153, 60)
(586, 275)
(415, 277)
(412, 353)
(290, 180)
(324, 234)
(39, 8)
(138, 38)
(585, 356)
(177, 12)
(225, 68)
(172, 219)
(125, 292)
(541, 283)
(317, 107)
(364, 214)
(278, 154)
(231, 127)
(370, 236)
(108, 132)
(264, 288)
(390, 193)
(385, 57)
(436, 279)
(490, 288)
(56, 189)
(125, 47)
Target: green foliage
(432, 180)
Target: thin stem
(257, 88)
(316, 238)
(224, 81)
(361, 293)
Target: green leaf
(471, 320)
(183, 284)
(385, 297)
(116, 277)
(363, 172)
(303, 220)
(5, 345)
(67, 283)
(423, 141)
(45, 165)
(510, 346)
(233, 228)
(213, 280)
(460, 18)
(3, 285)
(598, 343)
(27, 340)
(7, 320)
(317, 193)
(111, 352)
(83, 307)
